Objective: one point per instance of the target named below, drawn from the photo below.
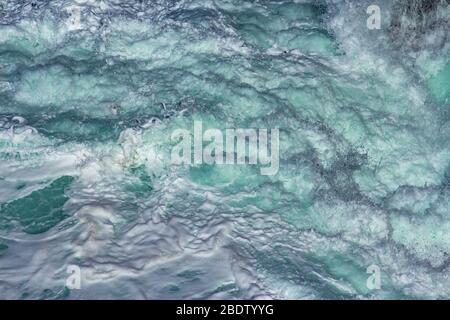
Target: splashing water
(90, 92)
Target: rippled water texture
(91, 91)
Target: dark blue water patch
(71, 126)
(3, 248)
(39, 211)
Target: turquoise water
(91, 91)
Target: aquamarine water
(91, 91)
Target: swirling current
(91, 92)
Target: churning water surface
(91, 91)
